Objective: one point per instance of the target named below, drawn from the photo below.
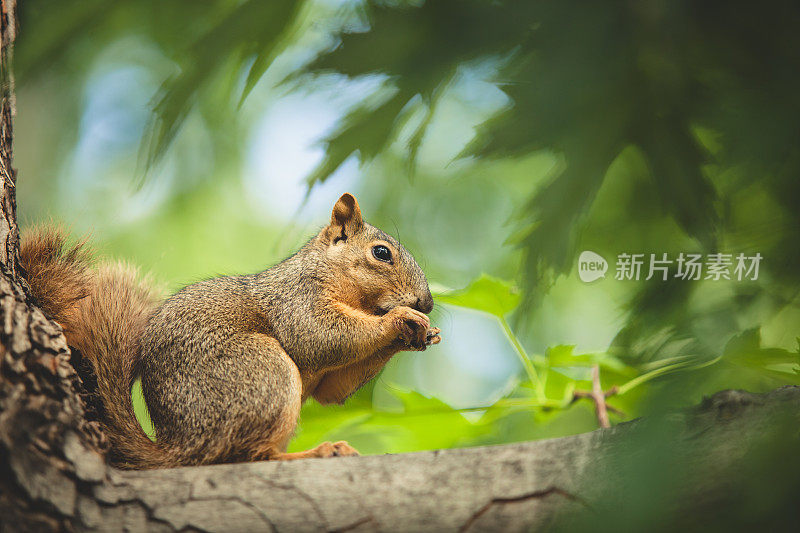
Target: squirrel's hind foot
(326, 449)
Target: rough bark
(9, 236)
(41, 416)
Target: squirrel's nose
(425, 304)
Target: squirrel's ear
(345, 218)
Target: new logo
(591, 266)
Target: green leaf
(426, 423)
(488, 294)
(366, 130)
(745, 349)
(562, 356)
(423, 424)
(253, 29)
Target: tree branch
(598, 397)
(511, 487)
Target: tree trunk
(53, 476)
(42, 428)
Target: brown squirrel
(226, 363)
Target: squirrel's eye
(382, 253)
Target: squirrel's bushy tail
(103, 312)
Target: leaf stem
(635, 382)
(527, 364)
(530, 402)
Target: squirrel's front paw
(411, 326)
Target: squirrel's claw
(432, 337)
(414, 330)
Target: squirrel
(226, 363)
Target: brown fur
(59, 275)
(103, 312)
(226, 363)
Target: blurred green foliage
(496, 139)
